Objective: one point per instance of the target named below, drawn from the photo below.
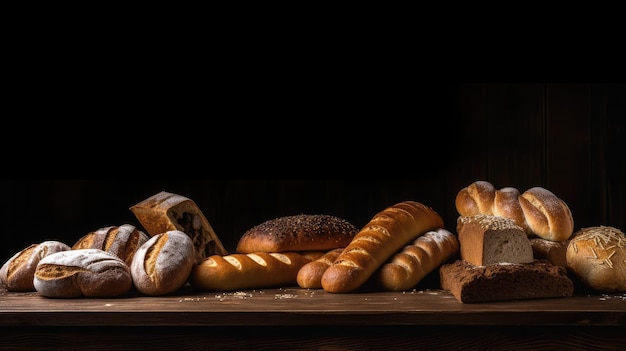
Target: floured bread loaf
(83, 272)
(298, 233)
(597, 255)
(122, 241)
(486, 239)
(165, 211)
(18, 272)
(498, 282)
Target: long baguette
(310, 275)
(249, 271)
(386, 233)
(418, 259)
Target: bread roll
(553, 251)
(386, 233)
(537, 211)
(122, 241)
(18, 272)
(310, 275)
(83, 272)
(248, 271)
(597, 256)
(298, 233)
(163, 263)
(418, 259)
(165, 211)
(486, 240)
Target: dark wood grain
(303, 319)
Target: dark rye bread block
(499, 282)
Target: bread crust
(310, 275)
(416, 260)
(386, 233)
(597, 255)
(122, 241)
(537, 210)
(304, 232)
(248, 271)
(18, 272)
(163, 263)
(166, 211)
(82, 273)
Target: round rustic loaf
(122, 241)
(298, 233)
(18, 272)
(163, 264)
(82, 272)
(597, 255)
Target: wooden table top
(296, 306)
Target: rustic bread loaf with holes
(166, 211)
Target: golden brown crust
(165, 211)
(597, 255)
(162, 265)
(386, 233)
(409, 266)
(548, 216)
(123, 241)
(553, 251)
(310, 275)
(247, 271)
(302, 232)
(476, 198)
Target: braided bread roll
(538, 211)
(386, 233)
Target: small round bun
(122, 241)
(18, 272)
(548, 216)
(163, 264)
(597, 255)
(477, 198)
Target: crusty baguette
(418, 259)
(248, 271)
(386, 233)
(165, 211)
(310, 275)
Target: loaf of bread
(165, 211)
(17, 272)
(487, 239)
(553, 251)
(385, 234)
(538, 211)
(163, 263)
(498, 282)
(123, 241)
(310, 275)
(597, 256)
(248, 271)
(298, 233)
(425, 254)
(82, 272)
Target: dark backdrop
(565, 137)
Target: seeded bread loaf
(498, 282)
(486, 240)
(302, 232)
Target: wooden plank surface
(295, 306)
